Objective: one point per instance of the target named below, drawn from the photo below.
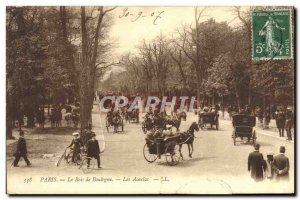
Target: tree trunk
(8, 117)
(83, 91)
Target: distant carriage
(132, 116)
(116, 121)
(243, 128)
(211, 118)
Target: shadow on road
(186, 162)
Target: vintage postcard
(150, 100)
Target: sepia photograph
(150, 100)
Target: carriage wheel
(150, 158)
(172, 153)
(253, 137)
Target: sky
(133, 24)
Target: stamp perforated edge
(283, 8)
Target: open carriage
(168, 146)
(211, 118)
(132, 116)
(115, 121)
(243, 128)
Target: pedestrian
(267, 119)
(89, 133)
(93, 150)
(59, 117)
(289, 123)
(52, 118)
(41, 118)
(280, 122)
(260, 115)
(256, 164)
(248, 110)
(77, 144)
(21, 150)
(229, 110)
(281, 165)
(269, 171)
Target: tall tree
(90, 36)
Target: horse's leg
(192, 149)
(180, 146)
(189, 150)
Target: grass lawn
(43, 141)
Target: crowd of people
(72, 115)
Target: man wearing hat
(256, 164)
(77, 144)
(281, 165)
(21, 150)
(289, 123)
(93, 149)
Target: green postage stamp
(271, 34)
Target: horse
(132, 115)
(116, 122)
(188, 138)
(174, 121)
(148, 123)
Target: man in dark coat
(281, 165)
(21, 150)
(93, 150)
(280, 122)
(289, 123)
(256, 164)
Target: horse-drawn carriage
(132, 116)
(114, 120)
(152, 120)
(211, 118)
(243, 127)
(169, 146)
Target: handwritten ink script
(134, 16)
